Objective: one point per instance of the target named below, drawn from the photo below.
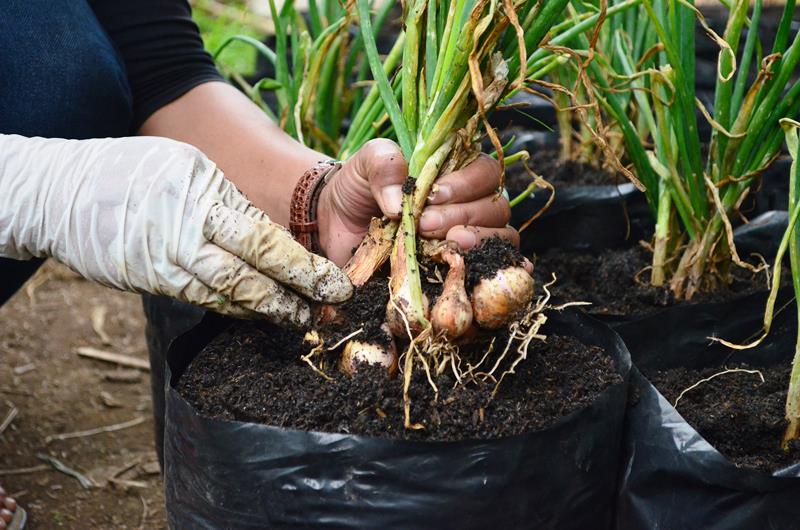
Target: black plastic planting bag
(762, 235)
(679, 336)
(583, 218)
(670, 476)
(224, 474)
(527, 110)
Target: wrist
(325, 220)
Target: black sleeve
(161, 47)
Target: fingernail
(528, 265)
(392, 199)
(466, 239)
(440, 194)
(431, 221)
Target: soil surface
(615, 281)
(737, 413)
(361, 312)
(254, 374)
(55, 391)
(560, 175)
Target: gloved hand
(154, 215)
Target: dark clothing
(161, 48)
(93, 69)
(60, 75)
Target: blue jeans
(61, 77)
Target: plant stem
(387, 94)
(793, 395)
(411, 73)
(406, 241)
(658, 275)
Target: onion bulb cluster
(494, 302)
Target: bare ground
(55, 391)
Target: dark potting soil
(560, 175)
(359, 312)
(616, 281)
(737, 413)
(253, 373)
(492, 255)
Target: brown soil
(255, 375)
(56, 392)
(570, 174)
(739, 415)
(615, 281)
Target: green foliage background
(217, 22)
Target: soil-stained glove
(154, 215)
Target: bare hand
(464, 206)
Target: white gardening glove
(154, 215)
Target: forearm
(263, 161)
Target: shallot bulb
(497, 300)
(452, 312)
(357, 352)
(396, 322)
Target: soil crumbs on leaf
(739, 415)
(253, 373)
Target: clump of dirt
(737, 413)
(409, 185)
(432, 276)
(561, 175)
(252, 374)
(365, 310)
(492, 255)
(616, 282)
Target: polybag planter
(529, 111)
(614, 216)
(226, 474)
(671, 477)
(583, 218)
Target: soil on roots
(615, 281)
(561, 175)
(492, 255)
(253, 373)
(737, 413)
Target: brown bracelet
(303, 210)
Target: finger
(233, 198)
(381, 163)
(479, 179)
(232, 279)
(468, 237)
(197, 293)
(492, 211)
(272, 251)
